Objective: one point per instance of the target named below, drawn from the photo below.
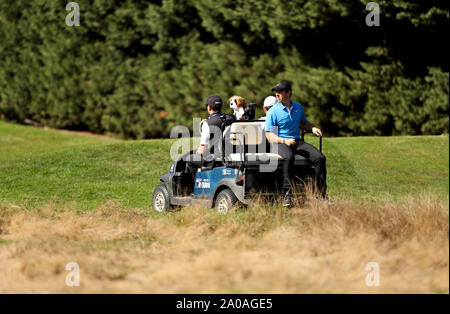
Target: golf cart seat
(265, 158)
(208, 166)
(246, 143)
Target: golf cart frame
(244, 168)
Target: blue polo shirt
(287, 121)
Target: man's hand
(317, 131)
(289, 141)
(201, 150)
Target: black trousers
(309, 152)
(195, 161)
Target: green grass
(43, 166)
(18, 141)
(388, 165)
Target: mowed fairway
(76, 198)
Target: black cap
(282, 86)
(214, 101)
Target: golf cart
(245, 168)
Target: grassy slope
(264, 249)
(388, 165)
(39, 166)
(18, 141)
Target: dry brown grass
(263, 249)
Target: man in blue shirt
(283, 123)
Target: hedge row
(137, 68)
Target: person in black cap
(211, 135)
(283, 124)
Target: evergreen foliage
(137, 68)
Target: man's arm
(204, 139)
(308, 127)
(273, 138)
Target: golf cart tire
(225, 201)
(160, 199)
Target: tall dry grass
(316, 248)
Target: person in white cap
(268, 103)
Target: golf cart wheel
(160, 199)
(225, 201)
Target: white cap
(270, 101)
